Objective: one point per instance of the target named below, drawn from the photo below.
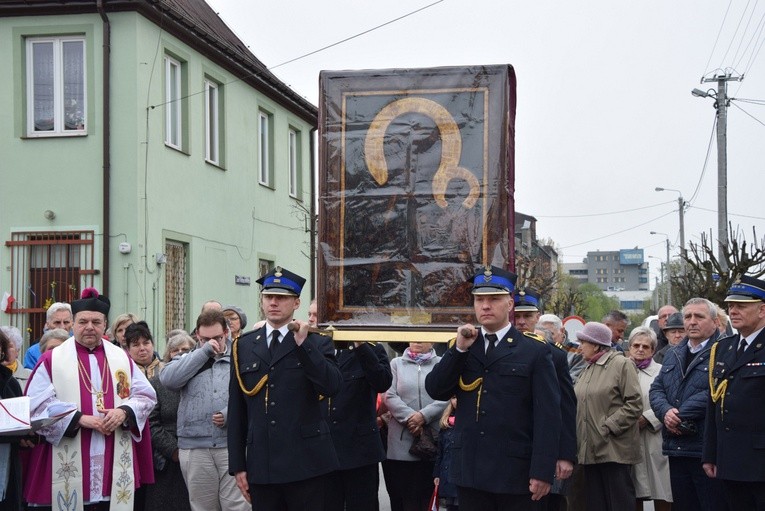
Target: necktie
(741, 348)
(274, 343)
(492, 338)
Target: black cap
(91, 301)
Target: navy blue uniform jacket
(513, 434)
(352, 414)
(735, 438)
(278, 435)
(567, 448)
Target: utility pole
(669, 278)
(722, 101)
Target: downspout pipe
(312, 223)
(106, 145)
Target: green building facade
(145, 152)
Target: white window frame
(59, 128)
(294, 161)
(264, 150)
(212, 131)
(173, 103)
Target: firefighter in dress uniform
(734, 439)
(279, 445)
(505, 384)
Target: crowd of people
(513, 414)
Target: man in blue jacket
(505, 385)
(679, 399)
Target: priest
(98, 453)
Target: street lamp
(669, 269)
(681, 208)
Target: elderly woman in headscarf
(651, 475)
(609, 404)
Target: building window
(265, 146)
(47, 267)
(294, 158)
(212, 122)
(176, 285)
(56, 94)
(173, 107)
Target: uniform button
(485, 391)
(273, 403)
(334, 408)
(485, 370)
(482, 433)
(483, 412)
(334, 422)
(271, 369)
(273, 423)
(271, 386)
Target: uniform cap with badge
(746, 289)
(280, 281)
(491, 280)
(526, 300)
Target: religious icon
(123, 384)
(416, 185)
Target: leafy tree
(595, 302)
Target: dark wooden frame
(350, 103)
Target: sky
(604, 106)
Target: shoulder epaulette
(560, 346)
(451, 343)
(534, 336)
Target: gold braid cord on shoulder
(717, 392)
(257, 388)
(470, 387)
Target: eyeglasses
(218, 338)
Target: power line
(605, 214)
(750, 101)
(743, 32)
(747, 113)
(356, 35)
(619, 232)
(735, 34)
(706, 160)
(717, 39)
(307, 54)
(729, 214)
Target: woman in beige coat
(609, 404)
(651, 475)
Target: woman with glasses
(651, 475)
